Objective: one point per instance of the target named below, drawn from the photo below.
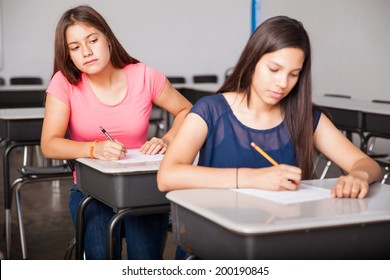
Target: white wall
(350, 38)
(177, 37)
(350, 43)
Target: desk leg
(128, 212)
(7, 194)
(80, 228)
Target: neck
(105, 78)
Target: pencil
(264, 154)
(106, 133)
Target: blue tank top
(228, 142)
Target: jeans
(145, 235)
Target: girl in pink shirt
(97, 83)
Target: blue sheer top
(228, 142)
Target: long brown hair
(89, 16)
(274, 34)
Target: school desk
(22, 96)
(225, 224)
(129, 188)
(18, 127)
(357, 116)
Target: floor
(47, 222)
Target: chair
(29, 175)
(26, 81)
(228, 72)
(201, 79)
(159, 118)
(347, 121)
(2, 81)
(176, 80)
(377, 127)
(193, 95)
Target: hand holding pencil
(110, 150)
(292, 174)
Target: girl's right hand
(276, 178)
(109, 150)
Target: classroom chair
(176, 80)
(26, 81)
(228, 72)
(193, 95)
(348, 125)
(159, 118)
(30, 175)
(377, 127)
(201, 79)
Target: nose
(282, 80)
(87, 51)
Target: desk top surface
(246, 214)
(135, 161)
(352, 104)
(24, 88)
(22, 113)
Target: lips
(90, 62)
(276, 95)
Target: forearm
(366, 169)
(177, 122)
(183, 176)
(61, 148)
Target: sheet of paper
(305, 193)
(135, 156)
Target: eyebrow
(85, 38)
(281, 66)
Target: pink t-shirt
(126, 121)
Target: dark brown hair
(87, 15)
(274, 34)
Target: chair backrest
(176, 80)
(194, 95)
(2, 81)
(197, 79)
(228, 72)
(26, 81)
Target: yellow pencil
(264, 154)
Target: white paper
(304, 193)
(135, 156)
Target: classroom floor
(47, 222)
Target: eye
(273, 69)
(74, 48)
(93, 41)
(294, 75)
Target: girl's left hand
(154, 146)
(350, 186)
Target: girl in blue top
(266, 100)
